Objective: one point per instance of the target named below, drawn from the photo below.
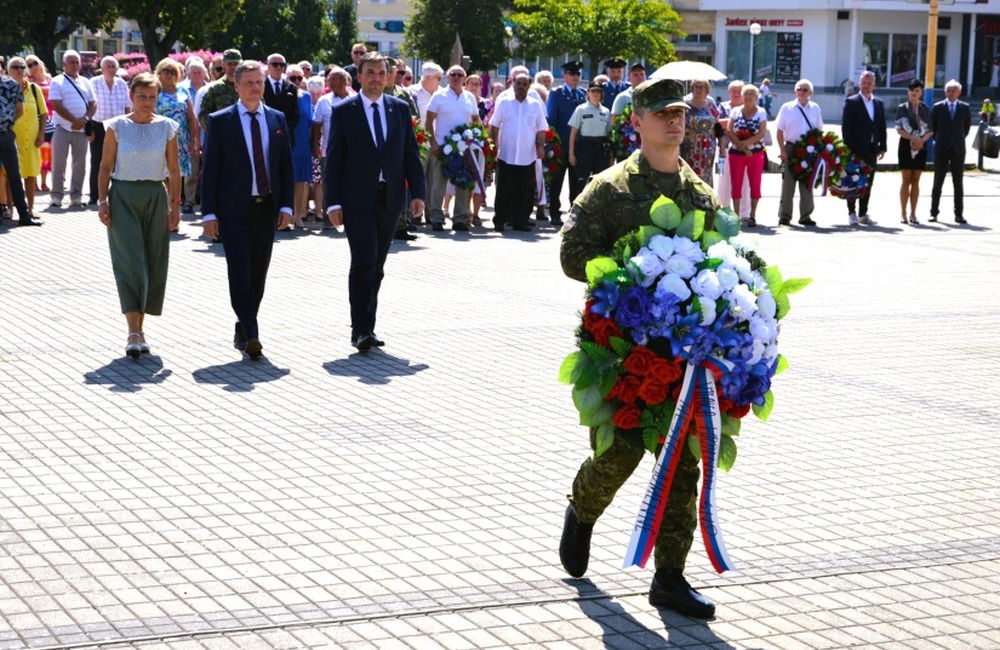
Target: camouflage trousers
(599, 479)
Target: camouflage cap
(232, 55)
(657, 94)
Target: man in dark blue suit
(864, 131)
(951, 120)
(247, 189)
(559, 108)
(371, 158)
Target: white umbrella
(687, 70)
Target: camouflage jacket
(400, 92)
(220, 94)
(617, 201)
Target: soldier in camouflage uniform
(221, 93)
(615, 203)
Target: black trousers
(555, 190)
(96, 155)
(863, 201)
(948, 160)
(369, 237)
(592, 156)
(248, 242)
(8, 158)
(515, 194)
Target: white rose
(707, 284)
(762, 329)
(728, 277)
(680, 265)
(758, 351)
(743, 302)
(722, 250)
(810, 148)
(649, 265)
(447, 150)
(743, 269)
(689, 249)
(467, 134)
(771, 351)
(662, 246)
(766, 305)
(675, 284)
(708, 308)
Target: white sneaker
(852, 219)
(866, 220)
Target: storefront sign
(765, 22)
(788, 57)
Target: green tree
(45, 23)
(298, 29)
(164, 22)
(600, 29)
(431, 28)
(345, 21)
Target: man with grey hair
(111, 93)
(338, 81)
(430, 80)
(951, 120)
(74, 104)
(796, 118)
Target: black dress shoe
(540, 214)
(960, 220)
(557, 222)
(523, 227)
(437, 227)
(254, 348)
(376, 341)
(806, 221)
(669, 589)
(460, 226)
(365, 343)
(403, 235)
(239, 339)
(574, 546)
(784, 221)
(29, 222)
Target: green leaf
(665, 213)
(709, 238)
(782, 365)
(794, 285)
(727, 223)
(651, 438)
(694, 445)
(598, 353)
(774, 280)
(621, 346)
(589, 374)
(568, 368)
(608, 377)
(587, 399)
(648, 232)
(762, 412)
(731, 426)
(597, 267)
(727, 453)
(598, 416)
(692, 225)
(783, 305)
(604, 438)
(621, 277)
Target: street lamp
(754, 33)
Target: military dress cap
(637, 66)
(232, 55)
(572, 66)
(616, 62)
(655, 95)
(595, 85)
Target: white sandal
(133, 348)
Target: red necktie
(259, 170)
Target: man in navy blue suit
(951, 120)
(247, 189)
(371, 158)
(864, 131)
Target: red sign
(765, 22)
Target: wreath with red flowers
(853, 182)
(819, 158)
(624, 138)
(554, 160)
(423, 139)
(490, 152)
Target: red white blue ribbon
(476, 160)
(698, 403)
(820, 174)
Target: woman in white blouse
(140, 150)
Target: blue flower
(633, 307)
(684, 334)
(666, 308)
(606, 296)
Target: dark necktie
(377, 121)
(259, 170)
(277, 88)
(951, 109)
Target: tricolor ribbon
(476, 160)
(698, 403)
(820, 174)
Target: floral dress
(700, 143)
(175, 106)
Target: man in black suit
(281, 94)
(246, 182)
(951, 120)
(371, 158)
(865, 135)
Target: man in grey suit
(951, 120)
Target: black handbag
(88, 128)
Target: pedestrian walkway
(413, 497)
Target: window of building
(738, 50)
(698, 38)
(896, 59)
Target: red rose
(626, 389)
(812, 140)
(725, 405)
(800, 152)
(557, 150)
(653, 391)
(738, 410)
(601, 328)
(640, 361)
(627, 417)
(667, 371)
(550, 135)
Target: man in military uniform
(636, 75)
(221, 93)
(393, 89)
(615, 203)
(615, 69)
(559, 108)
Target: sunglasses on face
(408, 78)
(295, 79)
(17, 67)
(360, 52)
(32, 64)
(456, 75)
(220, 69)
(172, 73)
(277, 64)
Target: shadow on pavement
(375, 367)
(123, 375)
(240, 376)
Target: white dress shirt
(519, 124)
(791, 123)
(451, 109)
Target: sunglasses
(457, 75)
(801, 90)
(295, 79)
(360, 52)
(276, 64)
(17, 67)
(220, 69)
(408, 78)
(172, 73)
(32, 64)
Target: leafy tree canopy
(298, 29)
(433, 24)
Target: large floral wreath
(554, 159)
(423, 139)
(819, 158)
(678, 342)
(624, 138)
(463, 156)
(853, 181)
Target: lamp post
(754, 33)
